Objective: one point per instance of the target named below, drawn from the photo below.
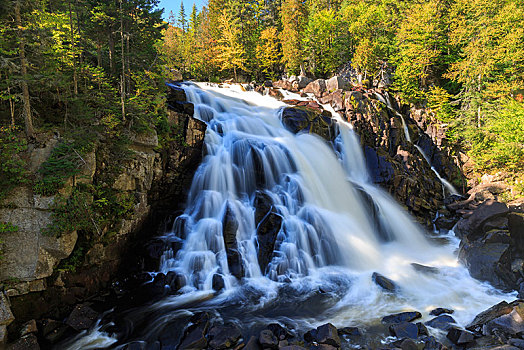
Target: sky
(174, 5)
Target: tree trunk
(72, 33)
(28, 119)
(122, 80)
(11, 105)
(111, 53)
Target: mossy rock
(303, 119)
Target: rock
(439, 311)
(323, 347)
(425, 269)
(268, 83)
(337, 100)
(218, 282)
(444, 223)
(472, 226)
(268, 340)
(516, 228)
(488, 262)
(223, 337)
(52, 330)
(252, 344)
(229, 231)
(510, 324)
(279, 331)
(422, 330)
(28, 342)
(444, 322)
(28, 328)
(497, 236)
(292, 347)
(350, 331)
(500, 309)
(460, 336)
(519, 343)
(6, 316)
(406, 344)
(82, 317)
(432, 344)
(402, 317)
(275, 94)
(136, 345)
(317, 88)
(325, 334)
(3, 336)
(404, 330)
(267, 232)
(335, 83)
(380, 169)
(303, 81)
(147, 138)
(384, 282)
(195, 335)
(303, 119)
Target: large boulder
(267, 232)
(335, 83)
(472, 227)
(317, 88)
(229, 232)
(302, 119)
(303, 81)
(195, 334)
(325, 334)
(407, 316)
(385, 283)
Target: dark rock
(229, 231)
(223, 337)
(406, 344)
(327, 334)
(182, 107)
(82, 317)
(422, 330)
(28, 342)
(268, 83)
(323, 347)
(252, 344)
(52, 330)
(28, 328)
(176, 93)
(488, 262)
(350, 331)
(380, 169)
(444, 322)
(175, 280)
(136, 345)
(303, 119)
(195, 335)
(425, 269)
(519, 343)
(510, 325)
(292, 347)
(516, 228)
(263, 204)
(498, 236)
(472, 226)
(267, 232)
(279, 331)
(268, 340)
(498, 223)
(460, 336)
(401, 317)
(502, 308)
(218, 282)
(404, 330)
(439, 311)
(384, 282)
(432, 344)
(445, 223)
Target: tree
(269, 51)
(231, 53)
(294, 19)
(182, 17)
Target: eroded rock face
(302, 119)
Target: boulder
(303, 119)
(325, 334)
(350, 331)
(404, 330)
(444, 322)
(317, 88)
(406, 344)
(268, 340)
(473, 225)
(223, 337)
(28, 342)
(82, 317)
(335, 83)
(229, 231)
(439, 311)
(510, 324)
(218, 282)
(516, 228)
(303, 81)
(425, 269)
(252, 344)
(500, 309)
(195, 334)
(384, 282)
(432, 344)
(280, 332)
(6, 316)
(267, 232)
(460, 336)
(402, 317)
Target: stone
(516, 228)
(268, 340)
(439, 311)
(223, 337)
(252, 344)
(443, 322)
(472, 226)
(218, 282)
(303, 81)
(402, 317)
(404, 330)
(425, 269)
(3, 336)
(460, 336)
(406, 344)
(422, 330)
(432, 344)
(325, 334)
(350, 331)
(195, 335)
(323, 347)
(292, 347)
(335, 83)
(303, 119)
(502, 308)
(82, 317)
(52, 330)
(509, 324)
(28, 342)
(147, 138)
(279, 331)
(28, 328)
(384, 282)
(229, 230)
(6, 316)
(380, 169)
(444, 223)
(317, 88)
(267, 232)
(519, 343)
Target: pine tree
(182, 22)
(231, 53)
(294, 19)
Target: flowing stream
(337, 229)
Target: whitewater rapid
(338, 228)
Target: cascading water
(334, 230)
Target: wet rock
(279, 331)
(384, 282)
(498, 236)
(252, 344)
(488, 262)
(350, 331)
(136, 345)
(275, 93)
(444, 322)
(175, 281)
(439, 311)
(500, 309)
(460, 336)
(229, 231)
(404, 330)
(519, 343)
(268, 340)
(82, 317)
(267, 232)
(195, 335)
(317, 88)
(303, 119)
(223, 337)
(425, 269)
(445, 223)
(472, 226)
(292, 347)
(53, 330)
(380, 169)
(422, 330)
(510, 325)
(516, 228)
(218, 282)
(325, 334)
(28, 328)
(263, 204)
(406, 344)
(28, 342)
(432, 344)
(402, 317)
(323, 347)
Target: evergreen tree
(182, 22)
(294, 19)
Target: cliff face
(150, 175)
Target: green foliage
(5, 227)
(12, 166)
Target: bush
(12, 166)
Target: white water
(332, 237)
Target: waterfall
(329, 227)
